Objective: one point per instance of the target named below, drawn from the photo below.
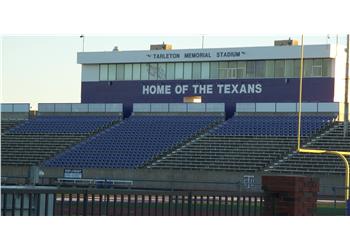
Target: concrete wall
(179, 107)
(288, 107)
(15, 111)
(168, 178)
(79, 108)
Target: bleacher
(42, 137)
(302, 163)
(135, 141)
(273, 125)
(8, 124)
(244, 143)
(64, 125)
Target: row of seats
(301, 163)
(43, 137)
(8, 124)
(230, 153)
(64, 124)
(272, 125)
(134, 141)
(32, 149)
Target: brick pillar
(290, 195)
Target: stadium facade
(220, 75)
(171, 140)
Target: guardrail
(75, 201)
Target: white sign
(73, 173)
(201, 89)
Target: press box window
(260, 69)
(289, 68)
(120, 72)
(196, 71)
(317, 67)
(327, 67)
(279, 68)
(112, 70)
(188, 71)
(136, 70)
(270, 69)
(308, 67)
(250, 69)
(205, 70)
(170, 71)
(214, 70)
(161, 71)
(241, 69)
(103, 72)
(223, 68)
(296, 68)
(144, 71)
(153, 71)
(128, 72)
(179, 71)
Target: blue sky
(43, 68)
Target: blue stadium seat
(133, 142)
(64, 124)
(286, 125)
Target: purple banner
(228, 91)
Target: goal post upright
(341, 154)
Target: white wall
(159, 107)
(308, 107)
(286, 107)
(80, 107)
(15, 107)
(196, 107)
(215, 107)
(266, 107)
(327, 107)
(339, 85)
(179, 107)
(246, 53)
(245, 107)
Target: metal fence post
(189, 204)
(13, 208)
(22, 201)
(85, 203)
(54, 204)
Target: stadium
(181, 130)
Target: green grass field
(328, 209)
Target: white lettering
(251, 88)
(195, 88)
(202, 89)
(258, 88)
(145, 89)
(210, 89)
(156, 89)
(234, 89)
(243, 89)
(178, 89)
(184, 89)
(220, 86)
(227, 89)
(152, 89)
